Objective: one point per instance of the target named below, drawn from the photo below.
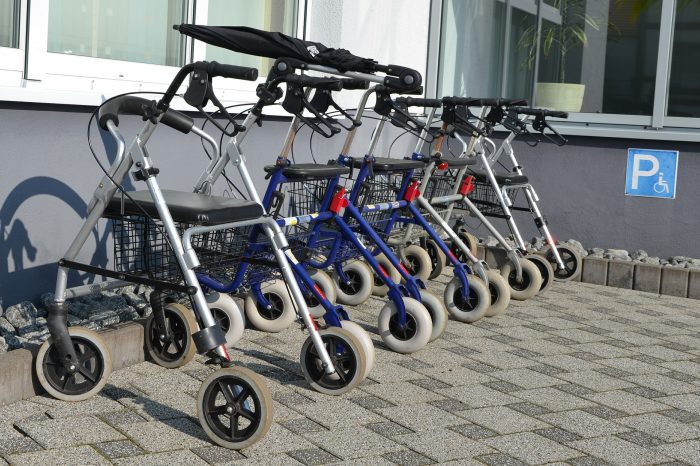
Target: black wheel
(178, 349)
(91, 371)
(437, 259)
(347, 355)
(234, 407)
(571, 260)
(470, 241)
(531, 281)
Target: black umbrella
(277, 45)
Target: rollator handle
(401, 77)
(355, 83)
(540, 123)
(232, 71)
(418, 102)
(147, 109)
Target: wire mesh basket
(142, 248)
(485, 198)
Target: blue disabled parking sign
(651, 173)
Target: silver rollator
(234, 405)
(562, 262)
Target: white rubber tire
(440, 259)
(479, 300)
(394, 275)
(499, 292)
(106, 356)
(231, 317)
(421, 259)
(284, 320)
(572, 261)
(437, 311)
(421, 322)
(366, 341)
(325, 283)
(361, 274)
(532, 280)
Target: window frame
(40, 75)
(657, 126)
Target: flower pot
(560, 96)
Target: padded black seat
(188, 207)
(502, 180)
(306, 171)
(385, 164)
(459, 163)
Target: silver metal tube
(358, 116)
(94, 288)
(420, 144)
(375, 136)
(206, 181)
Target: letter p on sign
(651, 173)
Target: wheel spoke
(245, 393)
(166, 346)
(178, 345)
(225, 391)
(218, 411)
(234, 426)
(88, 375)
(247, 414)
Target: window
(9, 23)
(129, 30)
(684, 84)
(269, 15)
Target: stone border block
(694, 283)
(620, 274)
(674, 281)
(647, 277)
(595, 271)
(495, 256)
(480, 252)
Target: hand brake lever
(519, 127)
(323, 99)
(541, 124)
(295, 102)
(200, 91)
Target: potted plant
(558, 40)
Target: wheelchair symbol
(661, 186)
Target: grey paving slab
(421, 417)
(686, 452)
(60, 457)
(662, 383)
(660, 426)
(554, 399)
(163, 459)
(69, 432)
(359, 442)
(627, 402)
(402, 393)
(478, 396)
(170, 434)
(618, 451)
(526, 378)
(532, 448)
(583, 423)
(444, 445)
(503, 419)
(338, 413)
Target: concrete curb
(125, 342)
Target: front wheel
(545, 268)
(470, 306)
(278, 316)
(234, 407)
(412, 336)
(227, 315)
(347, 356)
(174, 347)
(530, 284)
(571, 260)
(500, 294)
(360, 283)
(86, 378)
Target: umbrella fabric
(253, 41)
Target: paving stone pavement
(580, 375)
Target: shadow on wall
(26, 281)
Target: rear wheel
(545, 268)
(360, 283)
(174, 347)
(438, 260)
(86, 378)
(571, 260)
(327, 287)
(417, 262)
(500, 293)
(228, 316)
(380, 288)
(470, 241)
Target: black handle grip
(131, 105)
(355, 83)
(232, 71)
(418, 102)
(331, 84)
(483, 101)
(540, 111)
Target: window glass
(9, 23)
(269, 15)
(471, 62)
(684, 85)
(599, 57)
(131, 30)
